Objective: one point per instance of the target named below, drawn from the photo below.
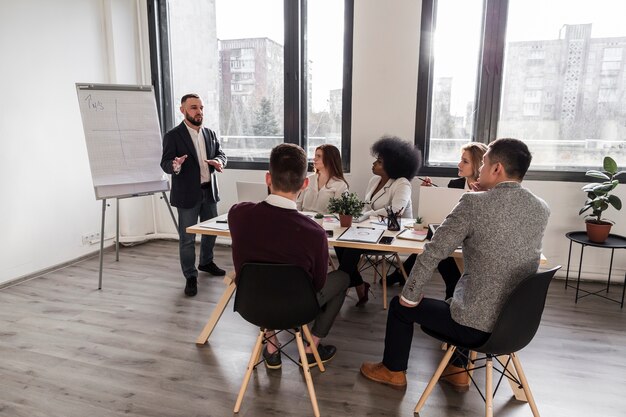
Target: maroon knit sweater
(264, 233)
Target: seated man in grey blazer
(501, 231)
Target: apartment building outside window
(269, 71)
(551, 74)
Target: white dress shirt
(313, 198)
(279, 201)
(197, 137)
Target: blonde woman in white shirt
(327, 181)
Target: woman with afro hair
(397, 162)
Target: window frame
(295, 75)
(488, 95)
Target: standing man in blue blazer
(192, 155)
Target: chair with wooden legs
(380, 262)
(514, 329)
(280, 298)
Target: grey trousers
(330, 299)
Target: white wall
(48, 201)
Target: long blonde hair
(476, 151)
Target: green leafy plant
(418, 220)
(319, 216)
(599, 196)
(348, 204)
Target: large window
(325, 52)
(549, 73)
(453, 78)
(269, 71)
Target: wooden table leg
(384, 278)
(331, 264)
(219, 309)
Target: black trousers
(348, 262)
(434, 314)
(447, 268)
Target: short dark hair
(400, 158)
(513, 154)
(288, 166)
(186, 96)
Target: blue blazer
(186, 191)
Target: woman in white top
(397, 162)
(327, 181)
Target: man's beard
(193, 121)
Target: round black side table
(613, 242)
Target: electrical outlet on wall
(91, 238)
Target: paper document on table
(214, 225)
(361, 234)
(410, 234)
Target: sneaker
(380, 373)
(326, 352)
(272, 360)
(191, 288)
(212, 269)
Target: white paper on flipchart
(122, 135)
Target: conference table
(218, 227)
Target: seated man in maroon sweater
(285, 236)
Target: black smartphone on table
(329, 233)
(386, 240)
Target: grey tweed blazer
(501, 232)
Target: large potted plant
(347, 206)
(599, 198)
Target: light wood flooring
(69, 350)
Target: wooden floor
(69, 350)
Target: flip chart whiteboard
(123, 139)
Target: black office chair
(514, 329)
(278, 297)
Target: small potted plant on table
(319, 219)
(599, 198)
(346, 206)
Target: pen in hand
(427, 181)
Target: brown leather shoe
(460, 381)
(379, 373)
